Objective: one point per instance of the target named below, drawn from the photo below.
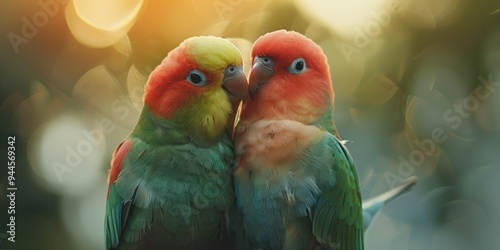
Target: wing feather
(337, 219)
(116, 207)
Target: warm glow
(101, 24)
(110, 15)
(417, 92)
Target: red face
(168, 86)
(178, 79)
(290, 74)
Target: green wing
(117, 209)
(112, 222)
(117, 214)
(337, 217)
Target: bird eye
(196, 78)
(264, 60)
(298, 66)
(231, 71)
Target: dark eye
(298, 66)
(196, 78)
(231, 71)
(265, 61)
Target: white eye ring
(298, 66)
(197, 78)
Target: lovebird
(296, 185)
(170, 184)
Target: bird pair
(188, 177)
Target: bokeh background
(417, 87)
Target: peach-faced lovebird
(170, 185)
(295, 182)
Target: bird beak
(262, 71)
(236, 86)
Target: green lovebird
(170, 184)
(295, 183)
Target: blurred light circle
(67, 155)
(91, 27)
(110, 15)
